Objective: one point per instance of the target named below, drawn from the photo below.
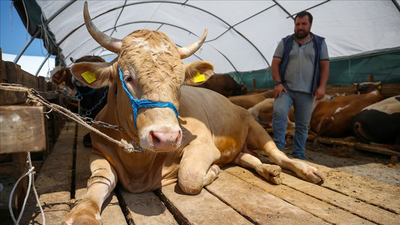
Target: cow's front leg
(259, 138)
(102, 181)
(269, 172)
(196, 169)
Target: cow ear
(198, 72)
(94, 74)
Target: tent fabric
(242, 35)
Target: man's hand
(319, 93)
(278, 90)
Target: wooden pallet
(238, 196)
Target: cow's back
(332, 118)
(250, 100)
(210, 115)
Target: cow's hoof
(270, 172)
(81, 220)
(309, 173)
(86, 212)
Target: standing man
(300, 69)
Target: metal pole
(45, 25)
(26, 46)
(40, 67)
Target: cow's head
(149, 68)
(367, 87)
(62, 77)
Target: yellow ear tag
(199, 77)
(89, 76)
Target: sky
(14, 37)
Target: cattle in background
(250, 100)
(225, 85)
(379, 123)
(262, 113)
(185, 133)
(332, 118)
(316, 102)
(63, 77)
(85, 100)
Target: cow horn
(191, 49)
(110, 43)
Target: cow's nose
(165, 140)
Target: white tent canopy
(242, 35)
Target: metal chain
(89, 112)
(88, 120)
(91, 121)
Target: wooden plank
(13, 73)
(111, 211)
(203, 208)
(145, 208)
(41, 84)
(54, 182)
(29, 80)
(306, 202)
(3, 71)
(20, 191)
(337, 199)
(383, 195)
(12, 97)
(8, 168)
(22, 129)
(258, 205)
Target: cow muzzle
(160, 139)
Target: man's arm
(276, 62)
(323, 80)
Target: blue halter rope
(144, 103)
(83, 94)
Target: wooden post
(371, 78)
(21, 189)
(22, 129)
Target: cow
(63, 77)
(332, 118)
(182, 134)
(88, 101)
(250, 100)
(262, 113)
(379, 123)
(225, 85)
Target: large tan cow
(188, 148)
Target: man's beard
(300, 34)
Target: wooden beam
(22, 129)
(12, 97)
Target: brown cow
(185, 133)
(250, 100)
(84, 100)
(225, 85)
(263, 112)
(332, 118)
(62, 76)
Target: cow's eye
(128, 79)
